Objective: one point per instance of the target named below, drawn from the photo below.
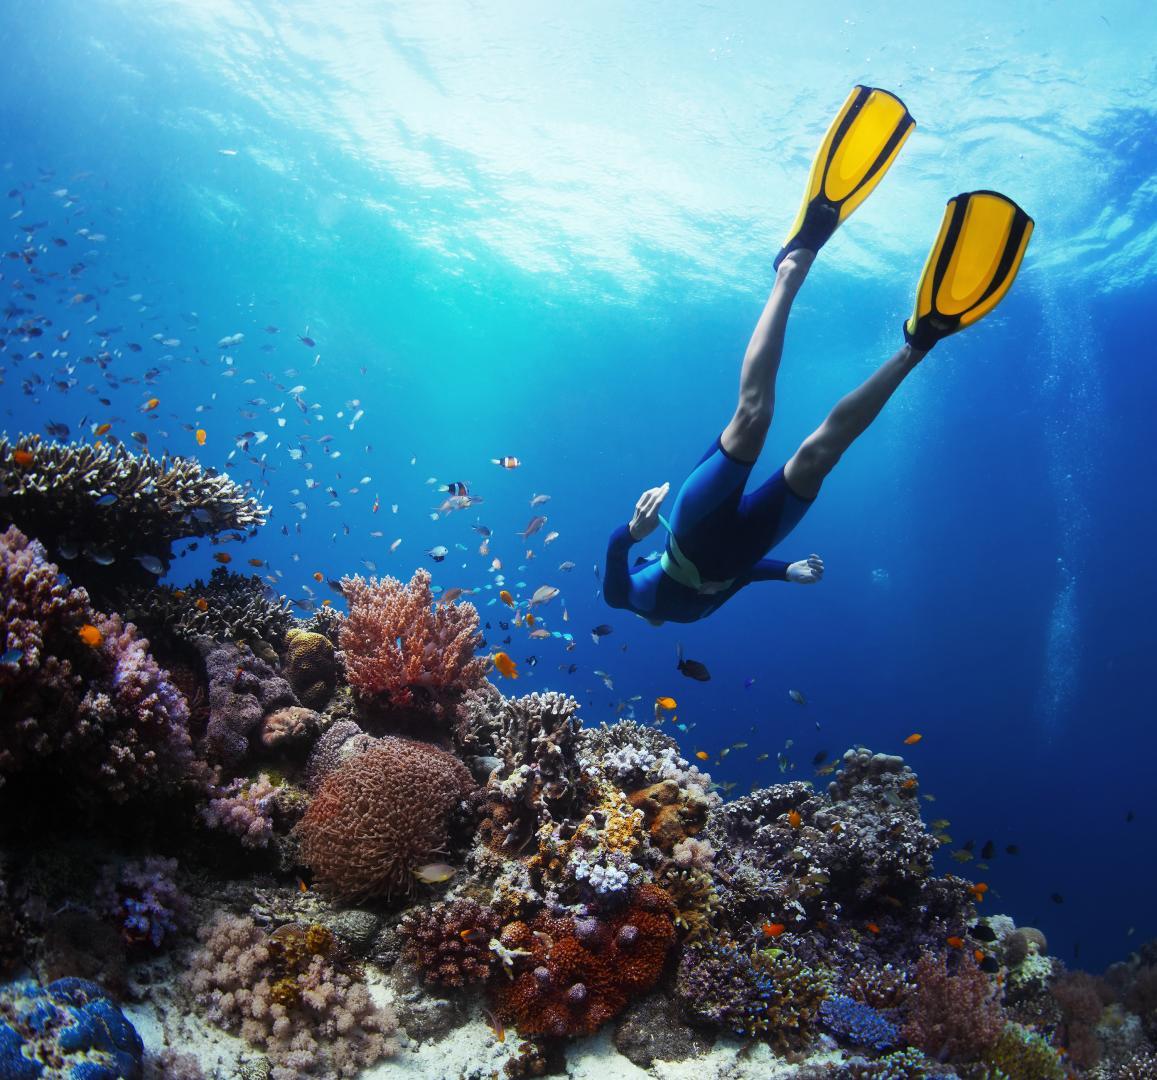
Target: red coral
(450, 943)
(953, 1017)
(583, 972)
(400, 647)
(380, 815)
(1082, 998)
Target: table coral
(115, 504)
(380, 815)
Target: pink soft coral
(953, 1017)
(401, 648)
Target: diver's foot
(794, 266)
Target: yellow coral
(310, 666)
(285, 992)
(696, 902)
(623, 824)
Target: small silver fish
(434, 873)
(151, 563)
(797, 697)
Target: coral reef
(143, 900)
(81, 692)
(243, 689)
(228, 607)
(449, 943)
(310, 667)
(402, 651)
(952, 1016)
(380, 815)
(102, 504)
(1020, 1054)
(71, 1026)
(244, 809)
(764, 993)
(569, 975)
(291, 994)
(1082, 999)
(858, 1023)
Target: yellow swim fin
(971, 266)
(861, 144)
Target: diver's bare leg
(820, 451)
(744, 436)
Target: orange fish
(506, 462)
(201, 604)
(23, 458)
(151, 404)
(872, 927)
(223, 557)
(179, 594)
(377, 505)
(102, 429)
(837, 827)
(256, 562)
(505, 665)
(955, 942)
(913, 739)
(318, 576)
(978, 890)
(301, 886)
(773, 929)
(978, 955)
(794, 819)
(702, 755)
(201, 436)
(327, 602)
(90, 635)
(529, 618)
(505, 597)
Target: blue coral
(858, 1023)
(71, 1022)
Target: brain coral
(380, 815)
(310, 666)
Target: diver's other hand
(807, 571)
(647, 511)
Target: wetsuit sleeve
(769, 570)
(617, 574)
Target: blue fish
(12, 656)
(107, 500)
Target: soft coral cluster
(106, 714)
(953, 1017)
(577, 972)
(291, 993)
(402, 651)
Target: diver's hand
(647, 511)
(807, 571)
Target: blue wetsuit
(715, 529)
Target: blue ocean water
(511, 230)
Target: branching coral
(228, 607)
(142, 898)
(380, 815)
(291, 994)
(98, 707)
(401, 650)
(244, 809)
(576, 973)
(953, 1017)
(449, 943)
(112, 505)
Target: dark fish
(1129, 815)
(482, 530)
(1076, 950)
(271, 329)
(989, 965)
(820, 758)
(601, 631)
(57, 430)
(988, 850)
(693, 669)
(983, 932)
(1012, 849)
(307, 341)
(969, 845)
(1056, 898)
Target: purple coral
(953, 1017)
(105, 711)
(144, 900)
(242, 689)
(243, 808)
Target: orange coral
(397, 644)
(582, 972)
(380, 815)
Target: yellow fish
(505, 665)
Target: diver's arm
(617, 574)
(807, 571)
(768, 570)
